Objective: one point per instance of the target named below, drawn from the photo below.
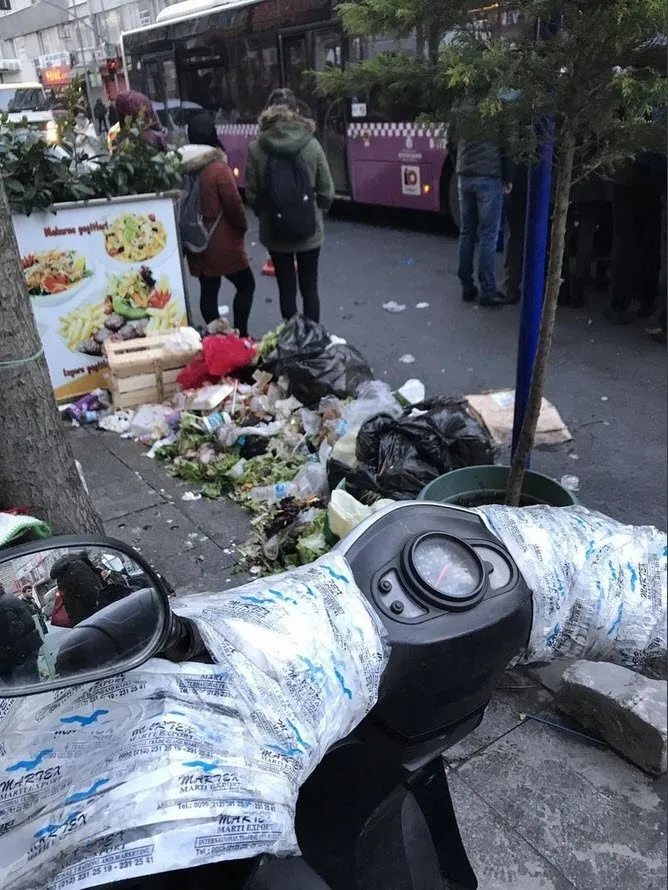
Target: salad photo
(133, 293)
(134, 237)
(52, 272)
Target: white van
(28, 100)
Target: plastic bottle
(310, 481)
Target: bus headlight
(51, 132)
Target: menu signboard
(97, 272)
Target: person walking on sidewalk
(100, 112)
(483, 177)
(289, 186)
(224, 216)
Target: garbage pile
(280, 425)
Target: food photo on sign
(100, 273)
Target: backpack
(290, 199)
(194, 234)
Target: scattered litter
(189, 545)
(192, 535)
(422, 305)
(572, 483)
(408, 261)
(496, 411)
(209, 397)
(604, 398)
(224, 310)
(191, 496)
(116, 423)
(150, 422)
(393, 306)
(574, 456)
(407, 359)
(412, 392)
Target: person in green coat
(284, 132)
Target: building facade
(52, 40)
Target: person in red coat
(225, 256)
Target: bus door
(317, 50)
(161, 88)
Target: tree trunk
(553, 284)
(37, 467)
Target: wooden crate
(143, 371)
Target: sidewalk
(538, 809)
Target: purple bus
(227, 57)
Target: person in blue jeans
(483, 177)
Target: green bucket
(475, 486)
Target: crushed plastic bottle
(310, 481)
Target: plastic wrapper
(599, 587)
(398, 457)
(172, 766)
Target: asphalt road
(608, 382)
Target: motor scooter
(376, 814)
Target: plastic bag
(397, 458)
(172, 766)
(226, 353)
(344, 512)
(315, 367)
(301, 338)
(373, 397)
(337, 371)
(599, 587)
(195, 374)
(150, 422)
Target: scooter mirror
(74, 610)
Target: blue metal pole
(533, 274)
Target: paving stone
(627, 710)
(592, 815)
(500, 857)
(115, 491)
(176, 548)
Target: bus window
(232, 78)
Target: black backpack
(290, 199)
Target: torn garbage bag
(398, 457)
(314, 366)
(598, 586)
(170, 766)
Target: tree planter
(475, 486)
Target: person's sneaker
(469, 294)
(498, 299)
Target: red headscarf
(132, 104)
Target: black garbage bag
(337, 371)
(314, 367)
(397, 458)
(299, 338)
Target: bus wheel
(449, 197)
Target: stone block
(623, 708)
